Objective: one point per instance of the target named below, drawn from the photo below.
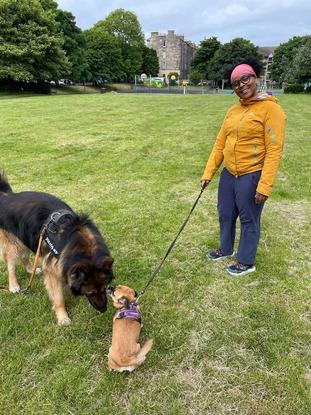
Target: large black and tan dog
(73, 251)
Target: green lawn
(221, 345)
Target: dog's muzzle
(98, 301)
(110, 290)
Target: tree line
(291, 60)
(40, 42)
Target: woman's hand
(260, 198)
(205, 183)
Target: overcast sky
(263, 22)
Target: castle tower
(174, 53)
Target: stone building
(267, 60)
(174, 52)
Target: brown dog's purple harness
(132, 311)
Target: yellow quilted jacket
(251, 138)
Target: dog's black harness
(51, 227)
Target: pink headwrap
(240, 70)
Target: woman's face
(245, 86)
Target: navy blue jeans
(236, 198)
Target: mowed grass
(221, 345)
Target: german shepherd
(73, 251)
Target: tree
(125, 28)
(283, 57)
(300, 68)
(196, 77)
(150, 65)
(74, 45)
(31, 45)
(48, 5)
(228, 55)
(203, 55)
(103, 56)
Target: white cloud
(235, 9)
(265, 22)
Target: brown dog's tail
(4, 184)
(141, 356)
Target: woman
(250, 144)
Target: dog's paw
(15, 289)
(38, 271)
(64, 321)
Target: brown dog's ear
(124, 302)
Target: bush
(42, 87)
(294, 89)
(196, 77)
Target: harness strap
(131, 312)
(51, 228)
(52, 225)
(170, 248)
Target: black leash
(157, 270)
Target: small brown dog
(125, 353)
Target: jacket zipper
(237, 137)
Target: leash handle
(170, 248)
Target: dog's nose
(110, 290)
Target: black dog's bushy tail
(4, 184)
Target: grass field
(221, 345)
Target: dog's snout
(110, 290)
(75, 290)
(99, 302)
